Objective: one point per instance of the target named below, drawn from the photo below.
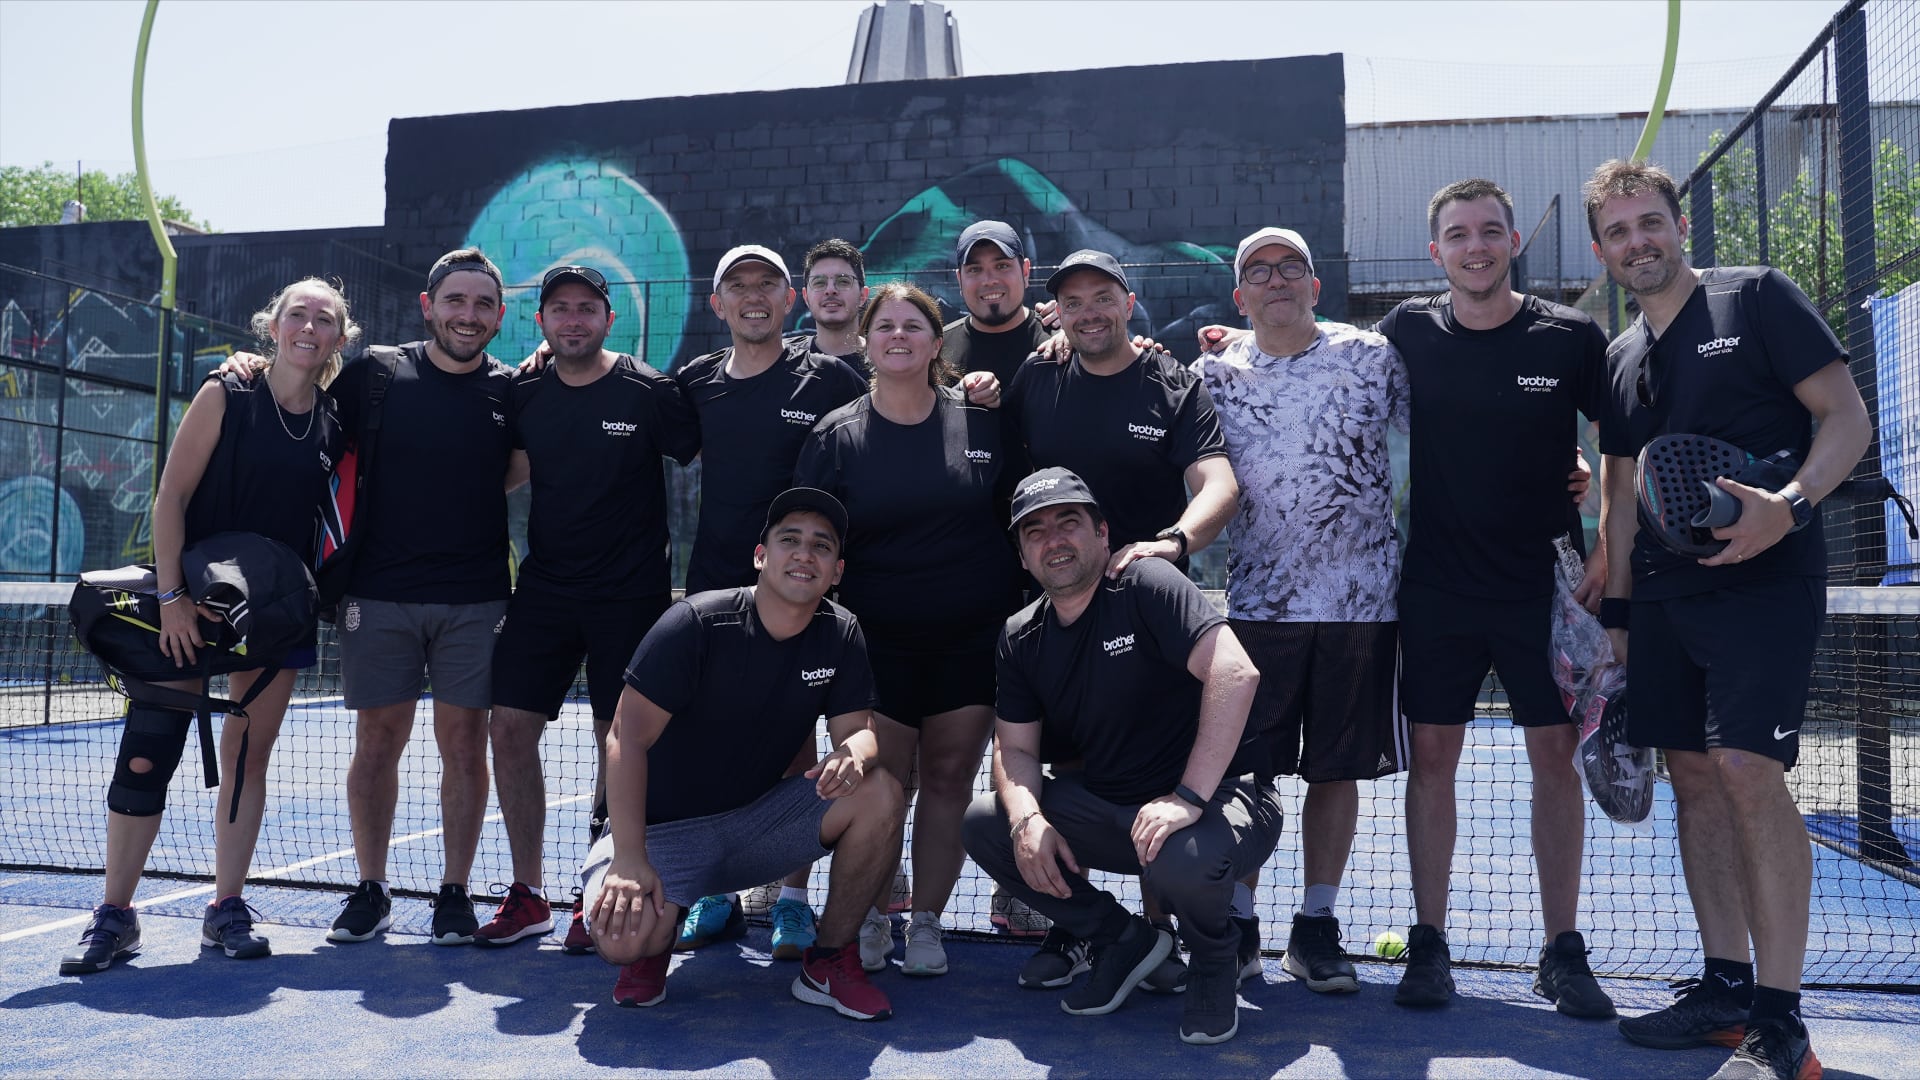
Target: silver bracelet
(1022, 823)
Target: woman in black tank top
(249, 456)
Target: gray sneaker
(925, 953)
(112, 933)
(228, 927)
(876, 941)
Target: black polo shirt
(1114, 684)
(969, 348)
(742, 703)
(1725, 368)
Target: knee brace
(158, 736)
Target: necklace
(282, 414)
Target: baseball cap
(463, 259)
(585, 275)
(999, 232)
(745, 252)
(1088, 259)
(1049, 487)
(806, 498)
(1270, 236)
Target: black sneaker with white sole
(1249, 951)
(1118, 968)
(453, 919)
(1315, 956)
(364, 913)
(1060, 958)
(1212, 1013)
(112, 933)
(228, 926)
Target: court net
(1858, 784)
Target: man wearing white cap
(1314, 558)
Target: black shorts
(1327, 707)
(1727, 668)
(545, 637)
(1448, 643)
(920, 672)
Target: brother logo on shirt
(1121, 644)
(979, 455)
(1143, 431)
(500, 419)
(618, 427)
(1719, 346)
(817, 677)
(1536, 383)
(325, 461)
(796, 416)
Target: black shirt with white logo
(435, 500)
(1130, 435)
(268, 474)
(1114, 684)
(927, 508)
(1725, 368)
(969, 348)
(597, 528)
(742, 703)
(1492, 426)
(750, 435)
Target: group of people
(938, 562)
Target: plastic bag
(1594, 690)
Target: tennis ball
(1390, 945)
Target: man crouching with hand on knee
(721, 693)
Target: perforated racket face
(1673, 472)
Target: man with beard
(591, 429)
(835, 276)
(1723, 646)
(999, 331)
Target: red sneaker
(834, 978)
(521, 915)
(579, 942)
(643, 982)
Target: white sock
(1242, 906)
(537, 891)
(385, 889)
(788, 892)
(1320, 900)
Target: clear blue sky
(273, 115)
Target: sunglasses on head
(594, 277)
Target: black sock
(1782, 1006)
(1731, 977)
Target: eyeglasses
(594, 277)
(838, 281)
(1261, 273)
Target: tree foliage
(35, 197)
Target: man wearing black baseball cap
(592, 430)
(999, 331)
(1141, 678)
(720, 695)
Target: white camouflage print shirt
(1314, 540)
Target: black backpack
(264, 595)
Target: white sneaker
(876, 941)
(925, 954)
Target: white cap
(744, 253)
(1270, 236)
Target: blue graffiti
(27, 529)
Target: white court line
(200, 890)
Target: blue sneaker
(711, 919)
(792, 929)
(228, 926)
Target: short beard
(456, 348)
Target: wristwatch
(1802, 509)
(1176, 533)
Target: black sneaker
(1212, 1013)
(1566, 980)
(228, 926)
(453, 918)
(1428, 979)
(1314, 956)
(1249, 951)
(363, 914)
(1170, 976)
(112, 933)
(1118, 967)
(1772, 1050)
(1059, 959)
(1701, 1015)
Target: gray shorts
(763, 841)
(389, 650)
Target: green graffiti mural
(586, 212)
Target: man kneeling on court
(721, 694)
(1142, 677)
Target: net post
(1700, 220)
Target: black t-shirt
(750, 434)
(598, 524)
(742, 703)
(435, 500)
(261, 478)
(1114, 685)
(1725, 368)
(1492, 426)
(1130, 436)
(969, 348)
(927, 509)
